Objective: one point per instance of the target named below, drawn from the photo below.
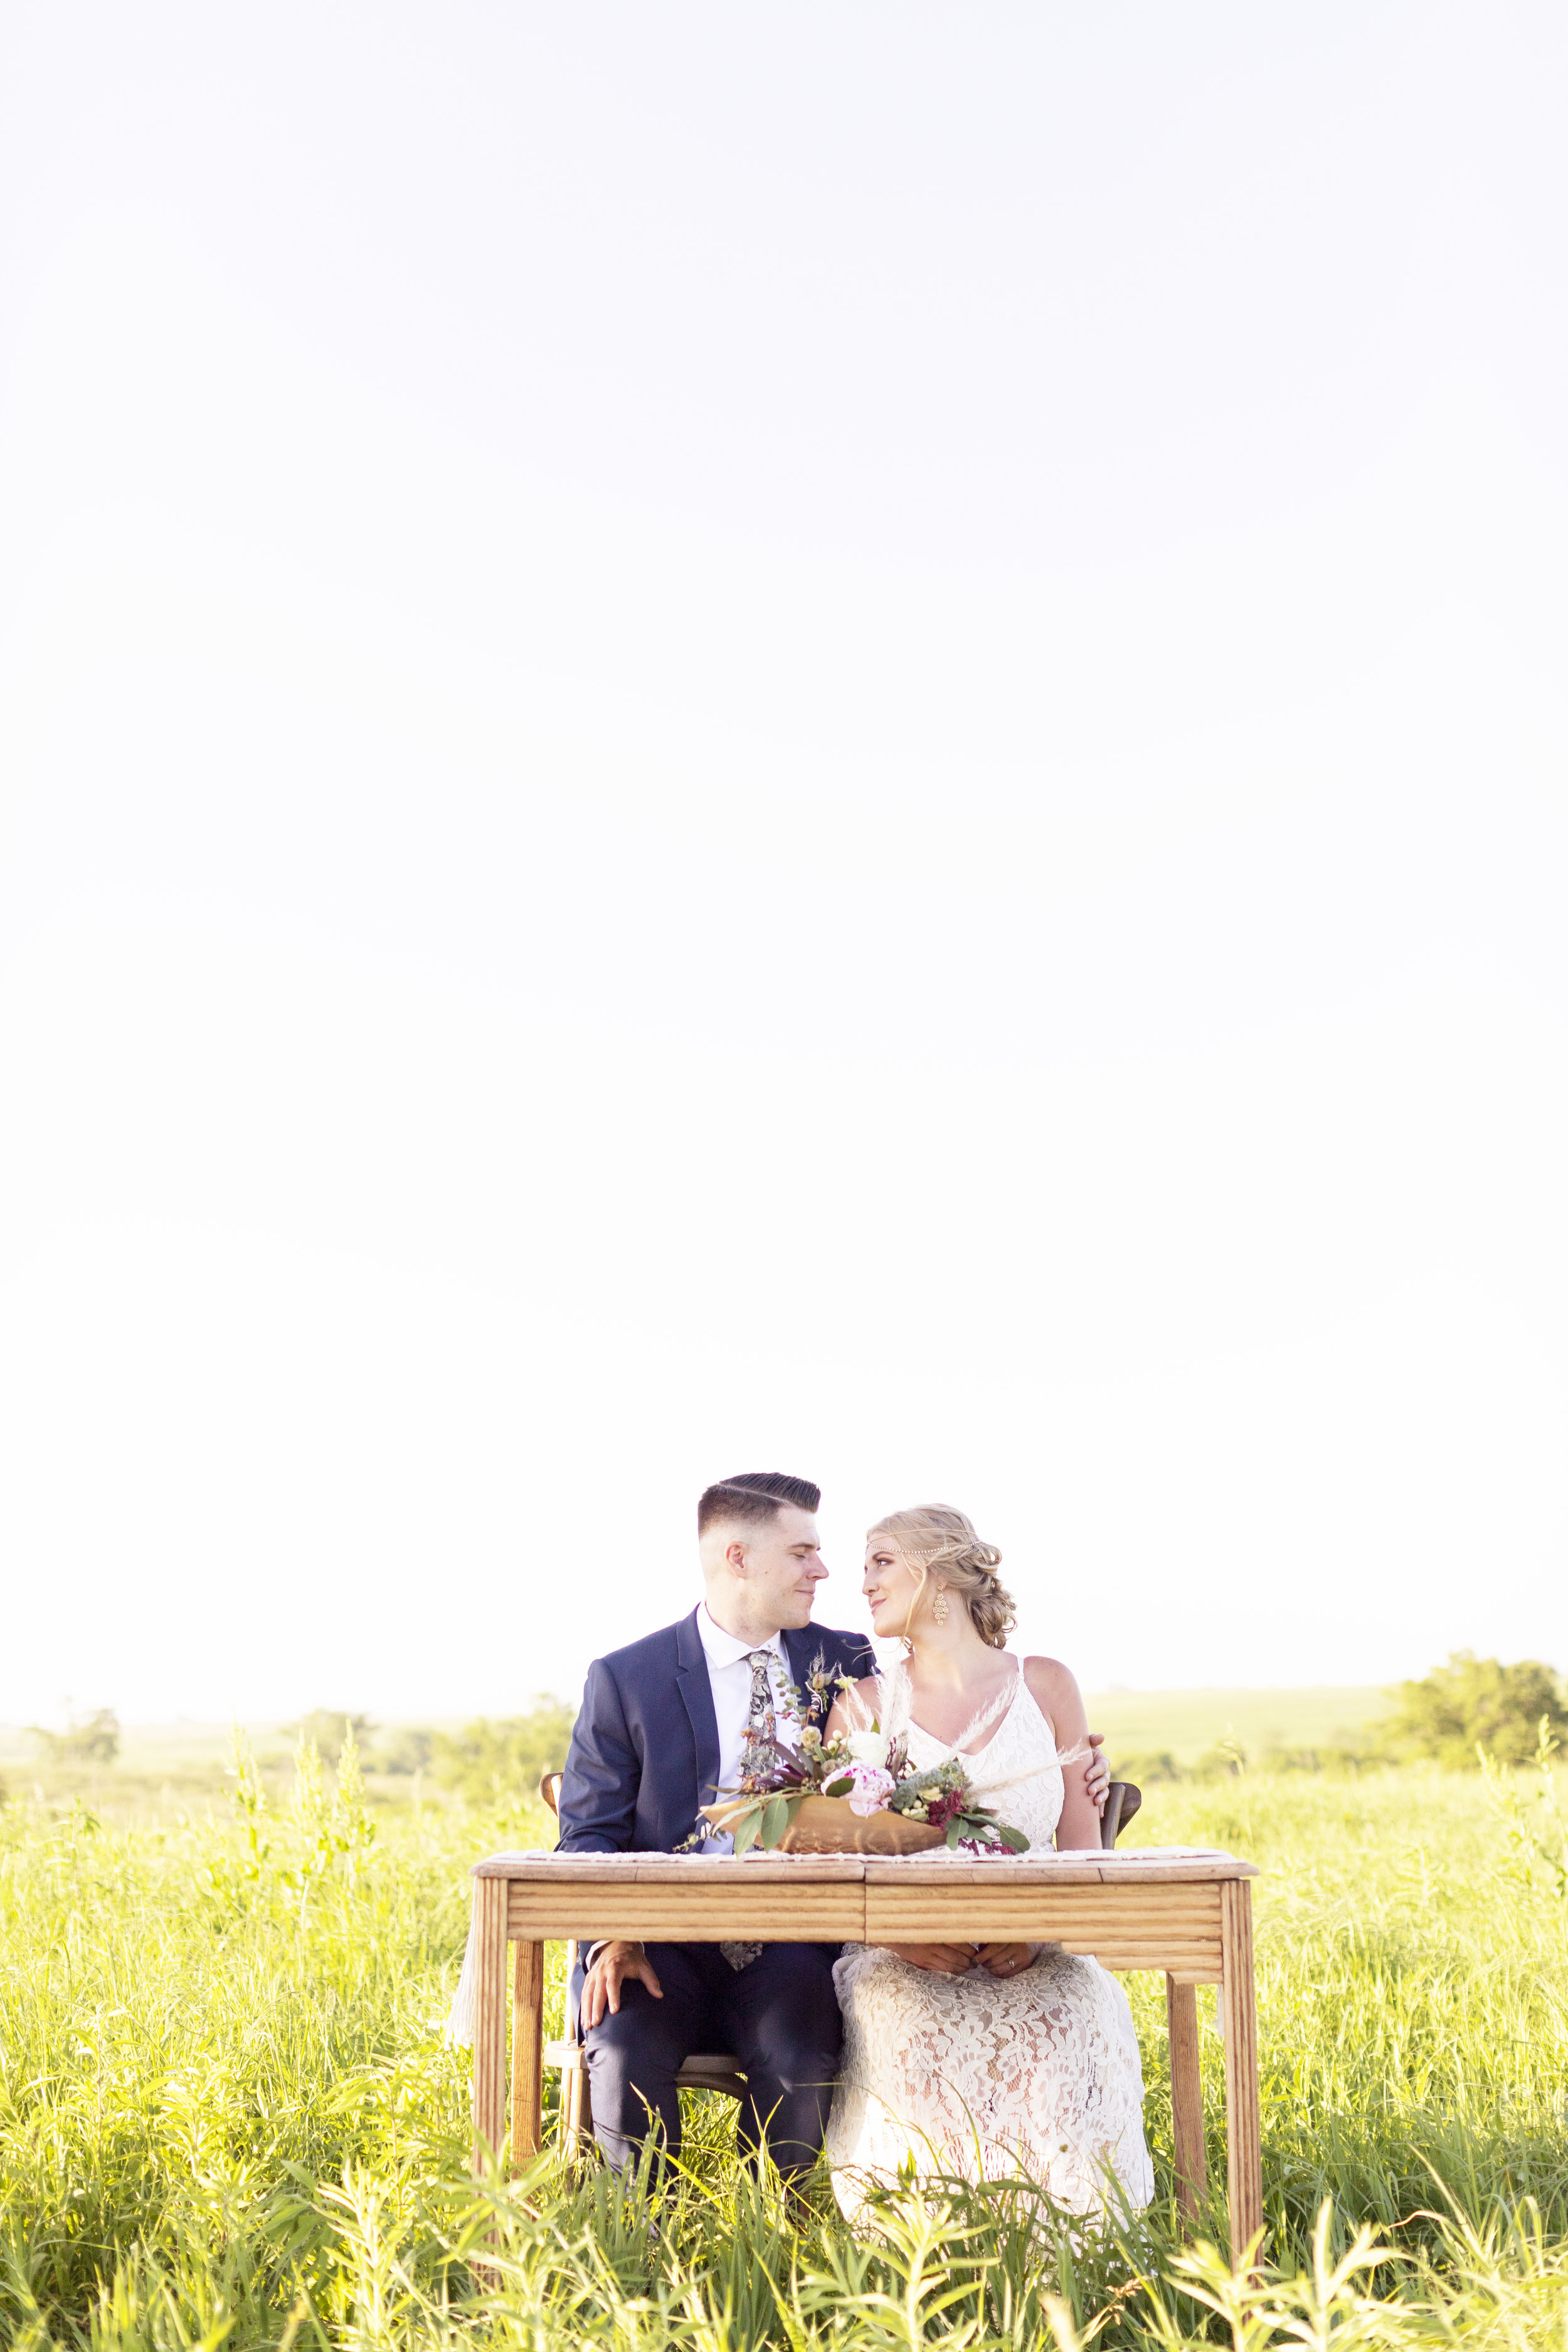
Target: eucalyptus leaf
(839, 1788)
(775, 1820)
(746, 1835)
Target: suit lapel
(697, 1691)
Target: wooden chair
(718, 2071)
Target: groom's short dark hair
(754, 1494)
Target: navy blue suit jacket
(644, 1753)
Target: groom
(664, 1723)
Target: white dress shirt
(729, 1680)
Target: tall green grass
(227, 2116)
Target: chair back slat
(1122, 1800)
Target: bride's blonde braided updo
(939, 1541)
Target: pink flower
(872, 1788)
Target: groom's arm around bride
(664, 1723)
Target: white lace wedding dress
(989, 2076)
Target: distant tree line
(489, 1758)
(1459, 1711)
(1455, 1715)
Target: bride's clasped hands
(963, 1959)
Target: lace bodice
(1016, 1772)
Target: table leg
(1186, 2098)
(489, 2020)
(1238, 2009)
(526, 2059)
(577, 2124)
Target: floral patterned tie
(759, 1718)
(754, 1758)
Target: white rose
(869, 1747)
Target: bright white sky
(828, 736)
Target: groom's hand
(602, 1985)
(1097, 1772)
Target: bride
(988, 2059)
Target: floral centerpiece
(854, 1792)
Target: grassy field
(227, 2115)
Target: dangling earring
(939, 1606)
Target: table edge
(840, 1870)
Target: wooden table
(1177, 1909)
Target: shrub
(490, 1761)
(1478, 1703)
(327, 1727)
(89, 1740)
(1148, 1771)
(408, 1750)
(1334, 1756)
